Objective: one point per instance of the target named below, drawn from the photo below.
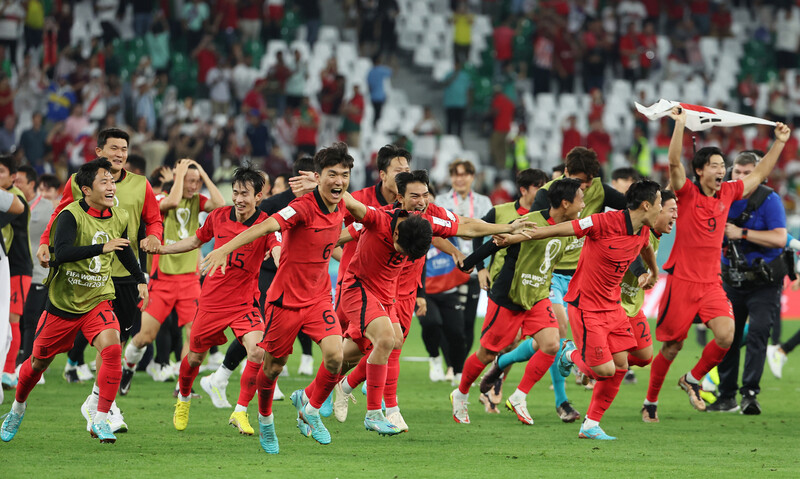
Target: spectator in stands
(60, 99)
(277, 76)
(258, 137)
(285, 131)
(243, 77)
(778, 106)
(368, 14)
(748, 95)
(629, 52)
(352, 114)
(570, 136)
(94, 96)
(428, 124)
(206, 56)
(226, 21)
(34, 25)
(701, 14)
(32, 141)
(648, 49)
(787, 37)
(543, 50)
(296, 83)
(193, 18)
(249, 16)
(566, 53)
(376, 80)
(503, 43)
(462, 21)
(596, 48)
(6, 97)
(145, 105)
(218, 80)
(330, 102)
(599, 141)
(107, 13)
(11, 15)
(76, 122)
(8, 140)
(311, 13)
(721, 20)
(503, 115)
(640, 155)
(254, 100)
(456, 98)
(307, 121)
(142, 16)
(387, 43)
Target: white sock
(100, 417)
(95, 389)
(222, 375)
(648, 403)
(518, 396)
(240, 408)
(266, 420)
(133, 354)
(691, 379)
(374, 414)
(184, 398)
(588, 423)
(346, 386)
(311, 410)
(392, 410)
(18, 407)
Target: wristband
(744, 233)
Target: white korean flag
(698, 117)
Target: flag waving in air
(698, 117)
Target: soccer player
(135, 195)
(174, 282)
(600, 327)
(519, 301)
(226, 300)
(86, 237)
(15, 237)
(693, 284)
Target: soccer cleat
(241, 421)
(318, 430)
(115, 419)
(88, 410)
(776, 358)
(595, 433)
(567, 413)
(489, 405)
(750, 405)
(103, 432)
(397, 419)
(340, 402)
(708, 397)
(10, 425)
(649, 413)
(9, 380)
(435, 369)
(491, 377)
(215, 392)
(378, 423)
(125, 381)
(630, 377)
(277, 394)
(268, 438)
(723, 405)
(213, 363)
(364, 388)
(460, 411)
(299, 404)
(564, 361)
(327, 407)
(84, 373)
(181, 417)
(521, 410)
(159, 373)
(306, 365)
(71, 374)
(693, 391)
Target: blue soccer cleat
(381, 425)
(327, 407)
(10, 425)
(318, 430)
(103, 432)
(299, 404)
(564, 361)
(595, 433)
(364, 388)
(267, 437)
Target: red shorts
(501, 325)
(359, 307)
(683, 301)
(641, 330)
(208, 328)
(20, 285)
(318, 321)
(600, 334)
(180, 295)
(404, 310)
(55, 334)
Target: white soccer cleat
(278, 395)
(115, 420)
(84, 373)
(520, 408)
(435, 369)
(215, 391)
(460, 411)
(213, 363)
(306, 365)
(776, 358)
(88, 410)
(340, 399)
(397, 419)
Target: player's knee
(194, 359)
(550, 347)
(485, 356)
(39, 365)
(112, 354)
(385, 343)
(333, 362)
(671, 349)
(724, 340)
(273, 370)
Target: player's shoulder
(444, 213)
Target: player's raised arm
(765, 166)
(215, 198)
(677, 174)
(217, 258)
(481, 228)
(173, 199)
(355, 207)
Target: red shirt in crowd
(503, 109)
(503, 42)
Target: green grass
(53, 441)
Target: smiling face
(667, 218)
(245, 199)
(191, 183)
(101, 195)
(574, 209)
(416, 198)
(585, 179)
(333, 182)
(397, 165)
(712, 174)
(462, 180)
(651, 216)
(6, 177)
(116, 151)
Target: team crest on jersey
(100, 237)
(279, 236)
(585, 223)
(358, 226)
(287, 213)
(183, 221)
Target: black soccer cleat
(750, 405)
(125, 382)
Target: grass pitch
(53, 442)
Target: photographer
(752, 273)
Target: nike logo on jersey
(611, 247)
(317, 230)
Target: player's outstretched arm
(217, 258)
(448, 248)
(303, 183)
(355, 207)
(649, 257)
(765, 166)
(677, 174)
(561, 229)
(482, 228)
(182, 246)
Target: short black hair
(303, 163)
(155, 177)
(531, 177)
(50, 181)
(642, 190)
(9, 162)
(667, 195)
(582, 160)
(624, 173)
(30, 174)
(336, 154)
(137, 163)
(703, 157)
(403, 179)
(88, 172)
(248, 174)
(389, 152)
(563, 189)
(559, 168)
(414, 236)
(104, 135)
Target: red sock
(26, 381)
(359, 374)
(321, 387)
(247, 383)
(538, 365)
(186, 377)
(634, 361)
(603, 395)
(376, 382)
(108, 376)
(266, 389)
(712, 356)
(13, 350)
(472, 369)
(392, 374)
(577, 360)
(658, 371)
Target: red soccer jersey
(369, 196)
(309, 233)
(376, 263)
(695, 256)
(611, 245)
(239, 285)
